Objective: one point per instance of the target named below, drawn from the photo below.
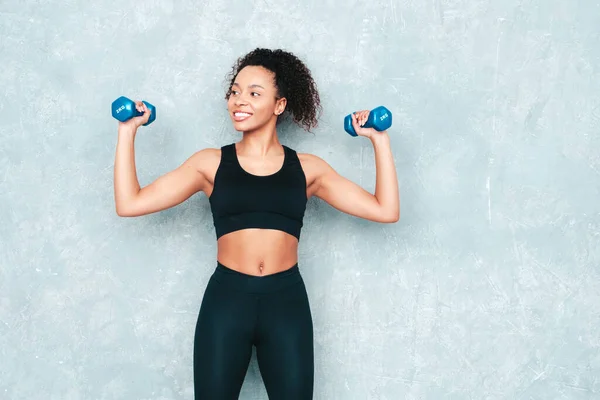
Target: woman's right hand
(133, 123)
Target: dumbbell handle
(368, 123)
(379, 118)
(136, 113)
(124, 109)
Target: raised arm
(166, 191)
(350, 198)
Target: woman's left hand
(358, 119)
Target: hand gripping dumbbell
(124, 109)
(380, 119)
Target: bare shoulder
(208, 154)
(313, 162)
(206, 161)
(314, 167)
(310, 160)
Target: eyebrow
(250, 86)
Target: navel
(261, 267)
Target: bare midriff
(258, 252)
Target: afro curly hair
(292, 80)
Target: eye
(254, 93)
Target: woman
(258, 189)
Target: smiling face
(253, 100)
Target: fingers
(361, 117)
(141, 107)
(356, 120)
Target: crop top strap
(291, 157)
(228, 153)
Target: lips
(239, 116)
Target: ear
(280, 106)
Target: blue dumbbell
(124, 109)
(379, 118)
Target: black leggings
(270, 312)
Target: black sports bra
(241, 200)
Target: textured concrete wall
(487, 288)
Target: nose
(240, 100)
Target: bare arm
(167, 191)
(348, 197)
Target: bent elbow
(391, 219)
(124, 212)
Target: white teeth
(238, 114)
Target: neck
(260, 142)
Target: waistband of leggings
(257, 284)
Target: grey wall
(487, 288)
